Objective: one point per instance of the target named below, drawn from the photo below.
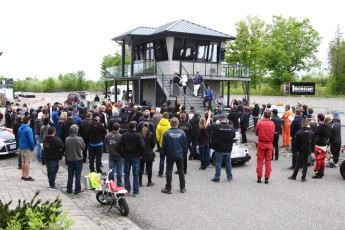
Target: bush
(34, 215)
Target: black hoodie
(53, 148)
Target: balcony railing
(212, 70)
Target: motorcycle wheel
(342, 169)
(102, 198)
(123, 207)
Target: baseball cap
(336, 113)
(222, 116)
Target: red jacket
(265, 130)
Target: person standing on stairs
(198, 80)
(184, 80)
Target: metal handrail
(184, 96)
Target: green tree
(247, 48)
(81, 80)
(112, 61)
(336, 62)
(290, 46)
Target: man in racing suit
(265, 131)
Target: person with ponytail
(148, 156)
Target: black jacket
(335, 137)
(222, 136)
(187, 128)
(66, 125)
(194, 122)
(112, 121)
(244, 119)
(150, 142)
(322, 134)
(203, 137)
(97, 132)
(305, 141)
(131, 144)
(84, 129)
(53, 148)
(277, 122)
(234, 116)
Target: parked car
(29, 95)
(72, 98)
(82, 94)
(8, 143)
(239, 154)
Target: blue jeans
(228, 167)
(129, 162)
(204, 155)
(192, 148)
(52, 169)
(161, 163)
(116, 165)
(74, 170)
(38, 140)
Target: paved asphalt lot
(242, 203)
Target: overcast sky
(44, 38)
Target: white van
(121, 90)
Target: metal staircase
(173, 92)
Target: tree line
(285, 50)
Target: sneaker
(167, 191)
(317, 177)
(76, 193)
(215, 180)
(259, 180)
(149, 184)
(266, 180)
(303, 179)
(291, 178)
(136, 194)
(29, 179)
(183, 190)
(53, 188)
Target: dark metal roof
(180, 26)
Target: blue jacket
(174, 143)
(198, 79)
(296, 125)
(208, 94)
(26, 138)
(77, 119)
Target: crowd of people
(130, 135)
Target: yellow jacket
(162, 126)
